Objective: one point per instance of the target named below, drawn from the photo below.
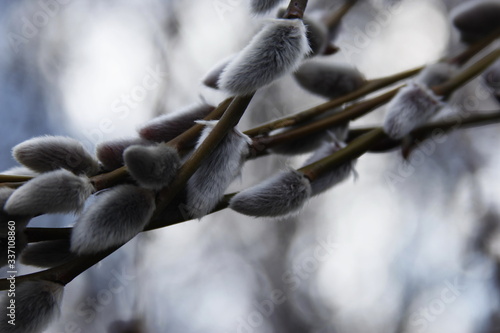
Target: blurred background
(407, 246)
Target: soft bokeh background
(406, 247)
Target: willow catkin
(333, 176)
(211, 79)
(278, 49)
(476, 19)
(206, 186)
(110, 153)
(281, 195)
(47, 254)
(48, 153)
(168, 126)
(413, 106)
(37, 303)
(152, 167)
(117, 216)
(263, 6)
(435, 74)
(329, 80)
(8, 221)
(57, 191)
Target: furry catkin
(328, 80)
(211, 79)
(435, 74)
(53, 192)
(168, 126)
(278, 49)
(37, 303)
(110, 153)
(476, 19)
(410, 108)
(47, 254)
(492, 79)
(333, 176)
(317, 36)
(263, 6)
(281, 195)
(20, 221)
(207, 185)
(117, 216)
(48, 153)
(152, 167)
(317, 33)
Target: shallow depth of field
(400, 246)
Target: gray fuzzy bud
(211, 79)
(329, 80)
(37, 304)
(168, 126)
(333, 176)
(492, 79)
(152, 167)
(48, 153)
(412, 107)
(116, 217)
(20, 170)
(110, 153)
(207, 185)
(281, 195)
(8, 221)
(317, 36)
(435, 74)
(278, 49)
(476, 19)
(53, 192)
(263, 6)
(47, 254)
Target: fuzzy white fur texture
(207, 185)
(277, 50)
(21, 221)
(435, 74)
(20, 170)
(263, 6)
(476, 19)
(281, 195)
(116, 217)
(412, 107)
(37, 304)
(152, 167)
(57, 191)
(48, 153)
(211, 79)
(168, 126)
(329, 80)
(47, 254)
(333, 176)
(110, 153)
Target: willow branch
(227, 122)
(468, 74)
(369, 87)
(120, 175)
(354, 150)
